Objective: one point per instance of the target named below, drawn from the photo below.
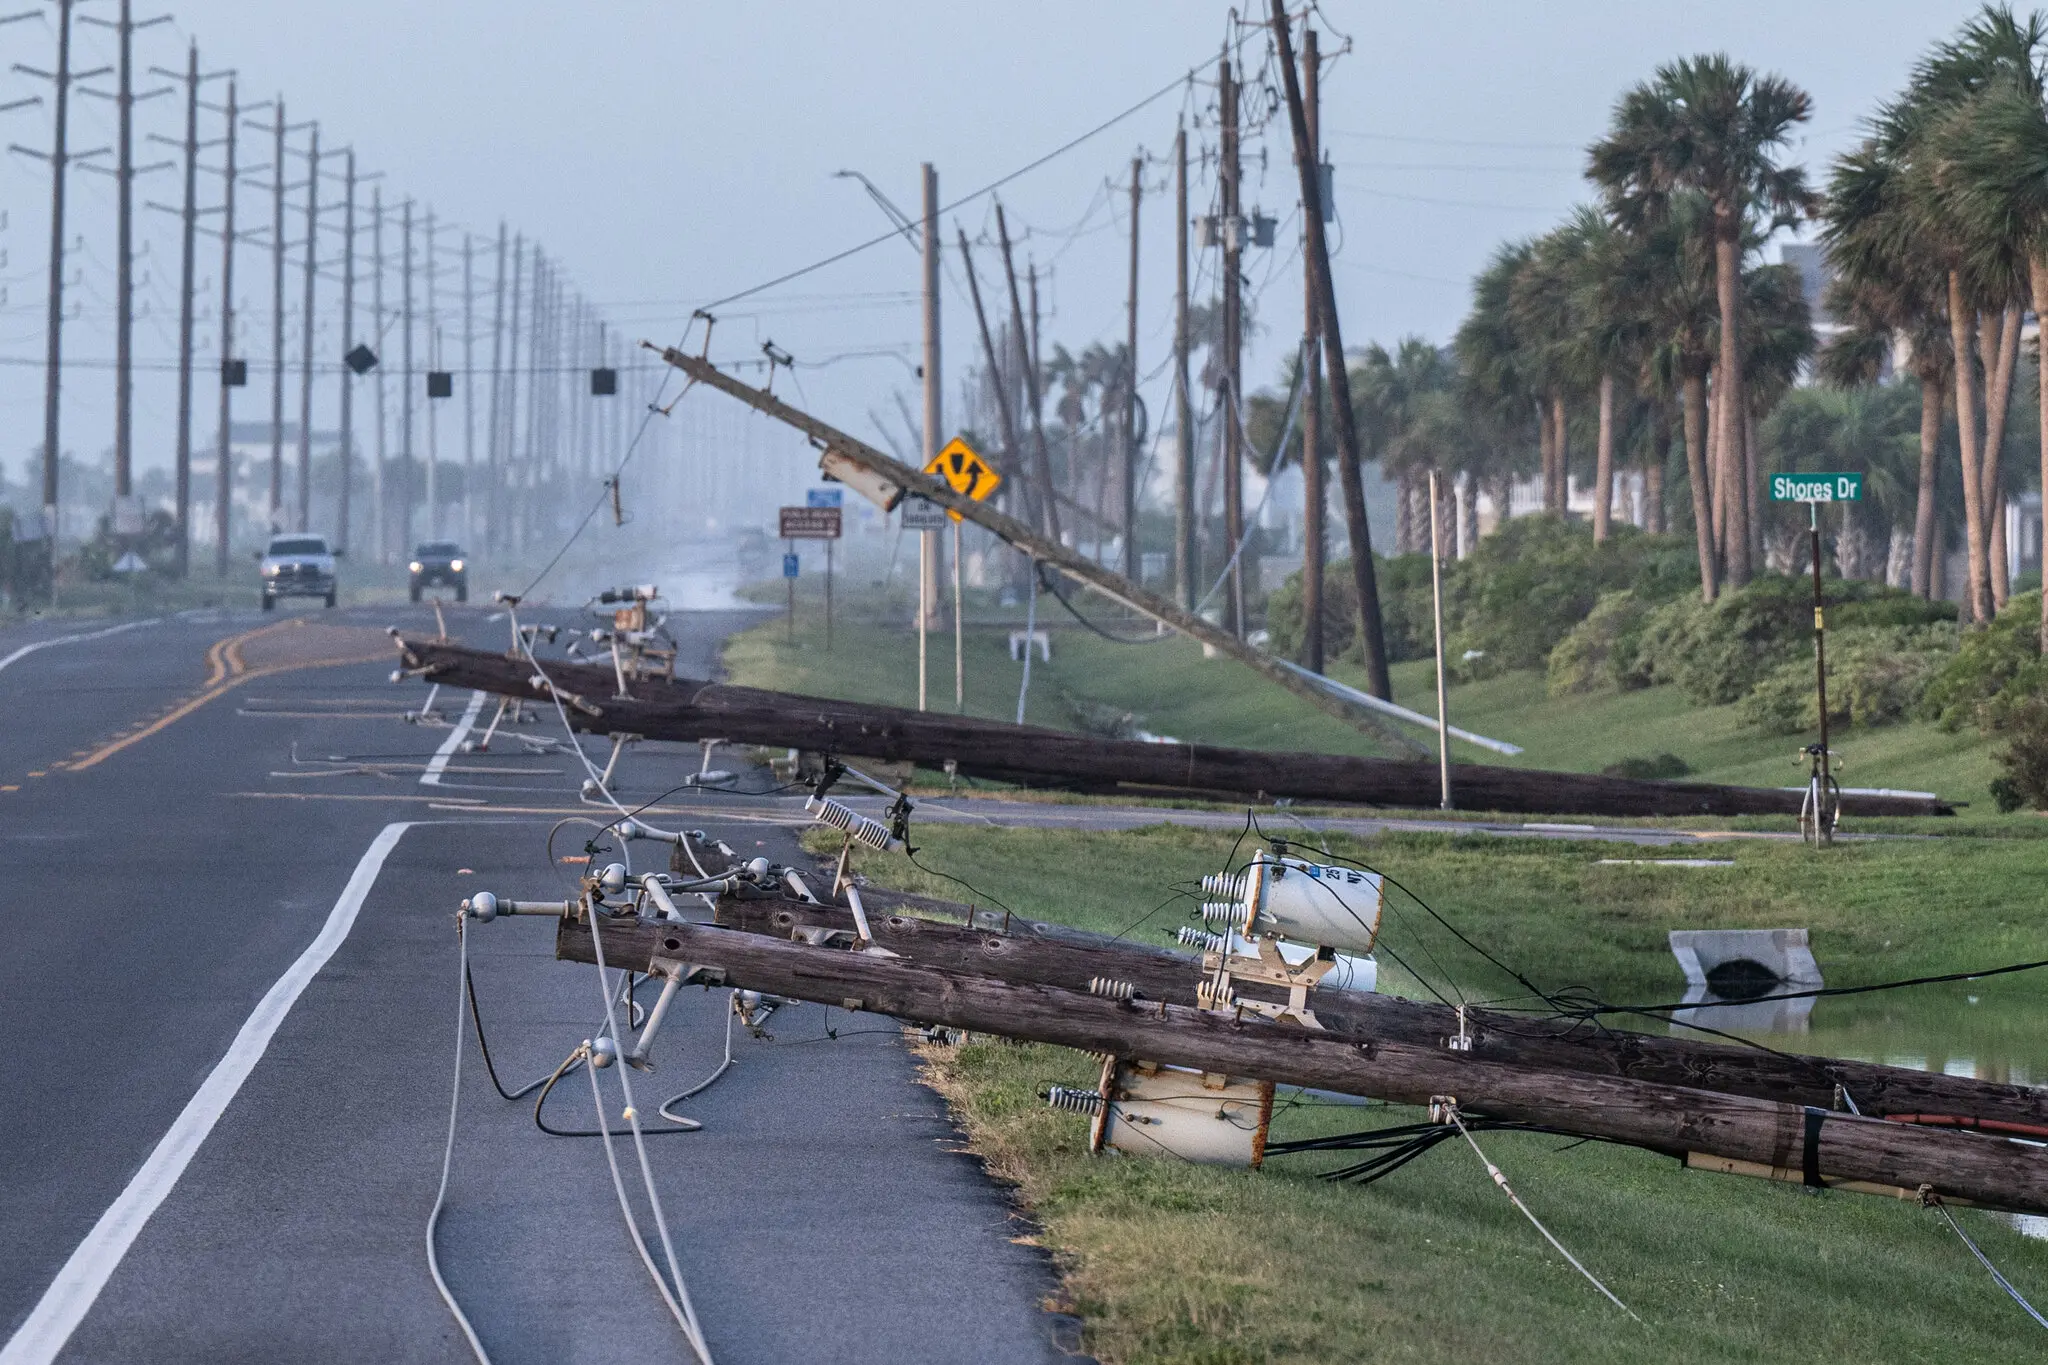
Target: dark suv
(296, 566)
(439, 563)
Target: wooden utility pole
(928, 551)
(510, 531)
(1049, 510)
(1013, 450)
(1132, 563)
(305, 517)
(1312, 491)
(1230, 224)
(1034, 952)
(53, 364)
(1186, 564)
(224, 463)
(277, 322)
(348, 344)
(529, 512)
(1055, 553)
(433, 363)
(380, 497)
(127, 517)
(686, 710)
(405, 387)
(1702, 1126)
(1372, 631)
(494, 442)
(188, 245)
(468, 389)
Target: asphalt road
(231, 979)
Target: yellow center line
(211, 693)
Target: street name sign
(1816, 488)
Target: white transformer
(1332, 907)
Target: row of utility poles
(1032, 491)
(540, 421)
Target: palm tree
(1996, 175)
(1545, 304)
(1886, 289)
(1712, 126)
(1673, 280)
(1613, 331)
(1497, 367)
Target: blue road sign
(824, 497)
(789, 566)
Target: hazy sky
(672, 154)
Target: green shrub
(1601, 653)
(1718, 654)
(2023, 763)
(1525, 587)
(1995, 670)
(1877, 675)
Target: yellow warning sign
(965, 472)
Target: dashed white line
(27, 650)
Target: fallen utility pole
(1022, 951)
(1726, 1132)
(689, 710)
(1047, 549)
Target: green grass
(1171, 1264)
(1169, 688)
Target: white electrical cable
(679, 1302)
(1535, 1222)
(732, 1007)
(448, 1150)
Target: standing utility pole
(380, 498)
(494, 438)
(468, 391)
(1027, 348)
(934, 434)
(1186, 568)
(277, 323)
(1230, 223)
(59, 157)
(127, 517)
(433, 413)
(224, 461)
(1312, 492)
(1372, 634)
(305, 517)
(511, 529)
(188, 283)
(348, 344)
(1132, 564)
(405, 395)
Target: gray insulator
(1226, 884)
(482, 906)
(1109, 988)
(1072, 1100)
(613, 878)
(1224, 914)
(603, 1053)
(1199, 938)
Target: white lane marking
(438, 764)
(77, 1286)
(27, 650)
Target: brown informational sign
(809, 523)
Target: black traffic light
(604, 383)
(361, 359)
(234, 374)
(440, 384)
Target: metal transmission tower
(355, 359)
(59, 157)
(187, 290)
(127, 516)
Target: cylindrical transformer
(1334, 907)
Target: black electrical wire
(1048, 584)
(1403, 1143)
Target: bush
(1601, 653)
(1877, 675)
(2023, 763)
(1720, 653)
(1525, 587)
(1997, 669)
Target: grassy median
(1197, 1266)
